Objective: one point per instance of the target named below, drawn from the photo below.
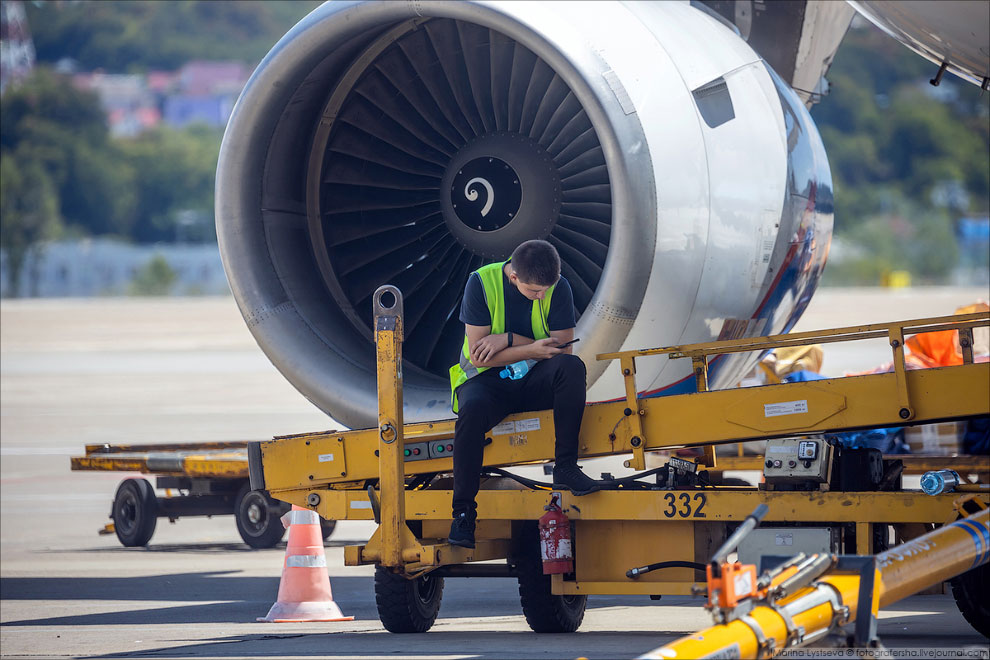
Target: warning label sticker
(785, 408)
(505, 428)
(743, 583)
(783, 539)
(518, 426)
(524, 425)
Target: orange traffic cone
(304, 591)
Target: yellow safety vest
(491, 281)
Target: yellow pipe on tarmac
(814, 611)
(934, 557)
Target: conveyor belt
(208, 459)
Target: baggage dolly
(199, 479)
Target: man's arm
(488, 350)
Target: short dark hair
(536, 262)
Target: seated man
(513, 311)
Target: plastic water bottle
(517, 370)
(937, 482)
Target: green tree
(49, 98)
(125, 35)
(28, 211)
(906, 236)
(894, 144)
(135, 188)
(174, 174)
(99, 194)
(65, 130)
(156, 278)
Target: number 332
(682, 505)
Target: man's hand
(488, 346)
(544, 349)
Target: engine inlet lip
(520, 179)
(278, 306)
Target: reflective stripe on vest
(492, 283)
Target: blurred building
(130, 105)
(102, 267)
(204, 92)
(206, 78)
(181, 110)
(200, 92)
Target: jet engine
(682, 181)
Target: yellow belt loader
(654, 533)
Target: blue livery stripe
(981, 538)
(984, 532)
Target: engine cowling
(683, 183)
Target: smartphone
(568, 343)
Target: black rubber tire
(969, 590)
(327, 527)
(407, 606)
(258, 518)
(545, 612)
(135, 512)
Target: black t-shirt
(518, 308)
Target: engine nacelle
(683, 183)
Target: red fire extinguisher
(555, 539)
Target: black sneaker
(462, 531)
(574, 480)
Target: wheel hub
(128, 513)
(254, 514)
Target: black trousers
(484, 400)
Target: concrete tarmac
(120, 371)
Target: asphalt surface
(126, 371)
